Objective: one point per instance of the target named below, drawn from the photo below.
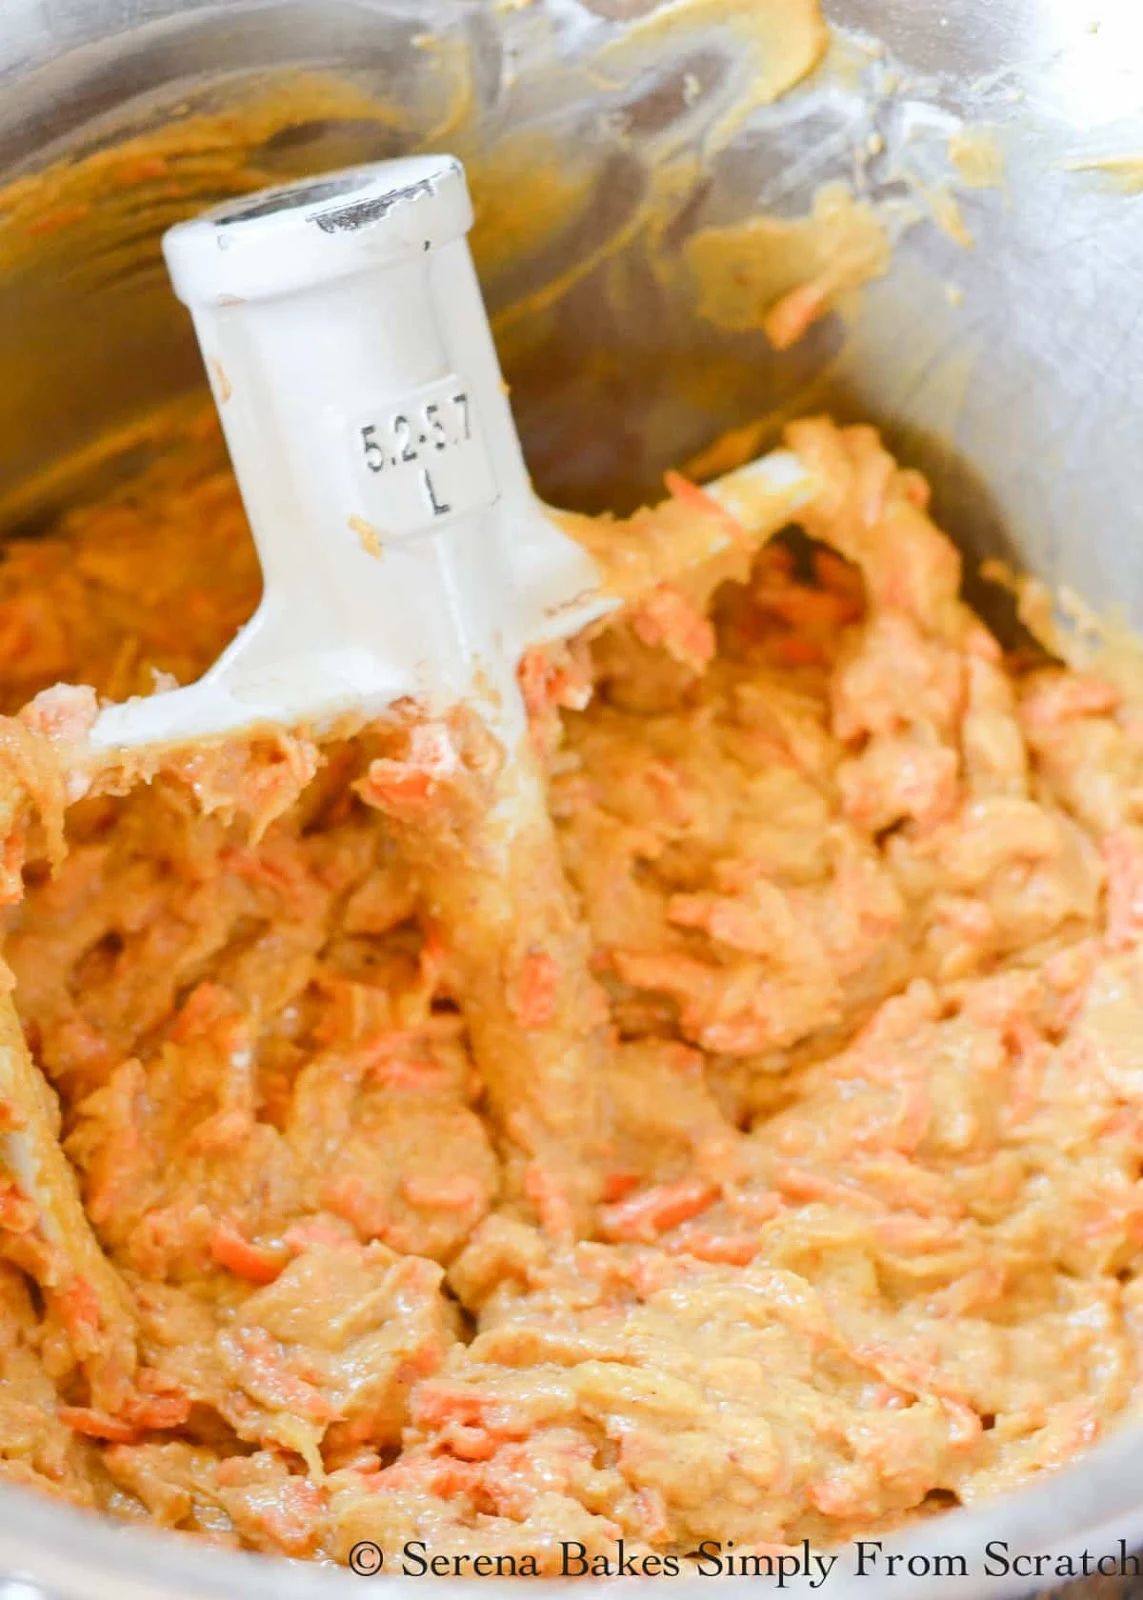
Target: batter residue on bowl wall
(554, 209)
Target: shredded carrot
(159, 1412)
(351, 1197)
(203, 1006)
(98, 1425)
(653, 1211)
(420, 1076)
(617, 1185)
(695, 498)
(801, 1184)
(18, 1213)
(270, 1377)
(410, 784)
(437, 1401)
(666, 618)
(793, 650)
(232, 1250)
(141, 169)
(532, 674)
(61, 217)
(1062, 698)
(534, 997)
(434, 956)
(736, 1250)
(79, 1312)
(550, 1198)
(789, 318)
(1124, 861)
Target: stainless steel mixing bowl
(1008, 371)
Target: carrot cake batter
(864, 900)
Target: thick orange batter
(864, 902)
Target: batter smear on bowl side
(864, 902)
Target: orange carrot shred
(697, 499)
(232, 1250)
